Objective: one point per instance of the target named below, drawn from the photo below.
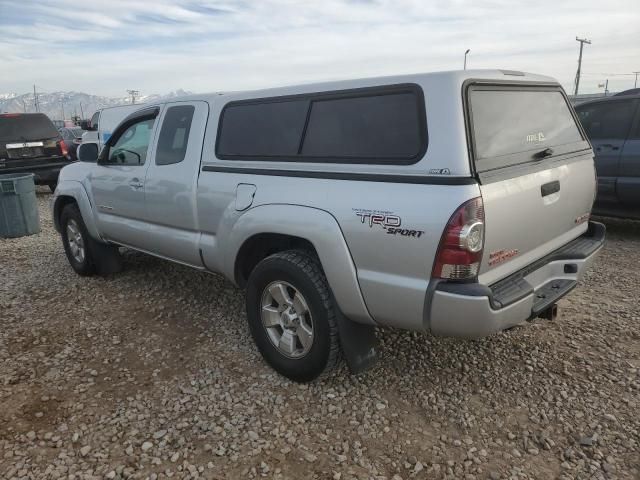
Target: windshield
(26, 127)
(71, 133)
(511, 125)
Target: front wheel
(291, 316)
(76, 241)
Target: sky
(157, 46)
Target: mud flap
(359, 344)
(106, 257)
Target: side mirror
(88, 152)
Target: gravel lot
(151, 373)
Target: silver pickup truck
(456, 203)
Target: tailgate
(31, 153)
(536, 172)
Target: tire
(293, 281)
(74, 236)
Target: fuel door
(244, 195)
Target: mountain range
(53, 104)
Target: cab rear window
(512, 125)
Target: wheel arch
(260, 246)
(69, 192)
(267, 229)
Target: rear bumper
(44, 172)
(472, 310)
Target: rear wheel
(291, 316)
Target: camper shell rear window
(516, 124)
(381, 125)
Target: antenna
(35, 99)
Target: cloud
(157, 46)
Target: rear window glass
(384, 126)
(511, 125)
(174, 135)
(381, 125)
(26, 127)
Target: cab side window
(174, 135)
(131, 147)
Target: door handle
(550, 188)
(608, 145)
(135, 183)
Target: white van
(104, 121)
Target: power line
(610, 74)
(582, 42)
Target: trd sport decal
(387, 221)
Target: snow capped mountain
(72, 103)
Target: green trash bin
(19, 214)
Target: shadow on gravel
(620, 227)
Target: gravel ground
(151, 373)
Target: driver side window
(131, 147)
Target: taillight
(461, 244)
(63, 147)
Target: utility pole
(62, 105)
(582, 42)
(24, 105)
(35, 99)
(635, 84)
(81, 112)
(465, 58)
(134, 94)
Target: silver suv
(456, 203)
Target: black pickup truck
(30, 143)
(613, 127)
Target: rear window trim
(311, 97)
(572, 148)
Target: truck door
(171, 182)
(117, 182)
(607, 124)
(629, 175)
